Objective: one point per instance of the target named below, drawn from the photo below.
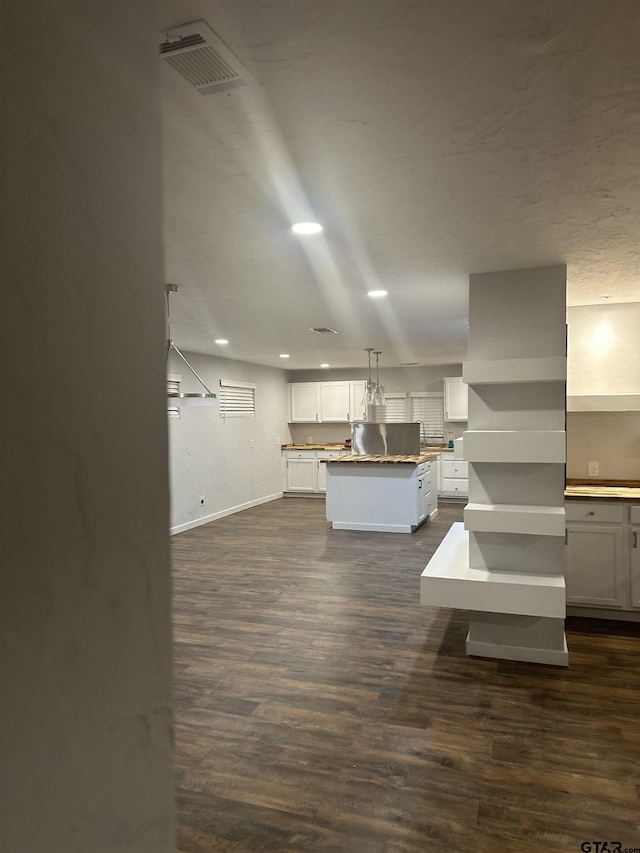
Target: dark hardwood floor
(320, 708)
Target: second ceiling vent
(203, 59)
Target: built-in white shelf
(515, 370)
(515, 445)
(515, 518)
(448, 581)
(603, 403)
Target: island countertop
(416, 459)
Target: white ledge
(448, 581)
(515, 445)
(515, 370)
(515, 518)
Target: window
(393, 413)
(237, 399)
(428, 408)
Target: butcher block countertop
(625, 491)
(416, 459)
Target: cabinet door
(594, 571)
(304, 399)
(635, 566)
(456, 406)
(301, 474)
(357, 409)
(334, 401)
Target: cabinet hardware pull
(591, 512)
(635, 538)
(566, 542)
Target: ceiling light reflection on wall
(306, 228)
(284, 355)
(377, 294)
(221, 341)
(324, 364)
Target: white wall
(604, 349)
(233, 463)
(85, 657)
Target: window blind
(394, 412)
(237, 399)
(428, 409)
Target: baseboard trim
(553, 657)
(198, 522)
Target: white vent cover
(196, 52)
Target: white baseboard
(554, 657)
(198, 522)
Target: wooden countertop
(334, 446)
(590, 492)
(416, 459)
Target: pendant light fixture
(379, 390)
(369, 392)
(174, 395)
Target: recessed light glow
(221, 341)
(325, 365)
(284, 355)
(376, 294)
(306, 228)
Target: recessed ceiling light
(325, 365)
(376, 294)
(323, 330)
(605, 297)
(284, 355)
(221, 341)
(306, 228)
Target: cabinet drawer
(450, 484)
(634, 514)
(455, 468)
(576, 511)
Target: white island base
(385, 498)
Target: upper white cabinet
(326, 402)
(456, 406)
(304, 402)
(335, 400)
(357, 409)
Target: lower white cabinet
(454, 478)
(602, 563)
(304, 472)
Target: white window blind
(237, 399)
(393, 413)
(428, 409)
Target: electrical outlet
(251, 444)
(309, 439)
(201, 500)
(594, 469)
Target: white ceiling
(432, 139)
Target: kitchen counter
(591, 492)
(416, 459)
(319, 446)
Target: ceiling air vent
(323, 330)
(196, 52)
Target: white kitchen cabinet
(304, 402)
(456, 402)
(335, 401)
(454, 478)
(357, 409)
(301, 472)
(595, 572)
(326, 402)
(634, 565)
(304, 472)
(602, 559)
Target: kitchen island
(386, 494)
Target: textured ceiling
(432, 139)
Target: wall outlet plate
(594, 469)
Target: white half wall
(234, 463)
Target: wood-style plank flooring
(320, 708)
